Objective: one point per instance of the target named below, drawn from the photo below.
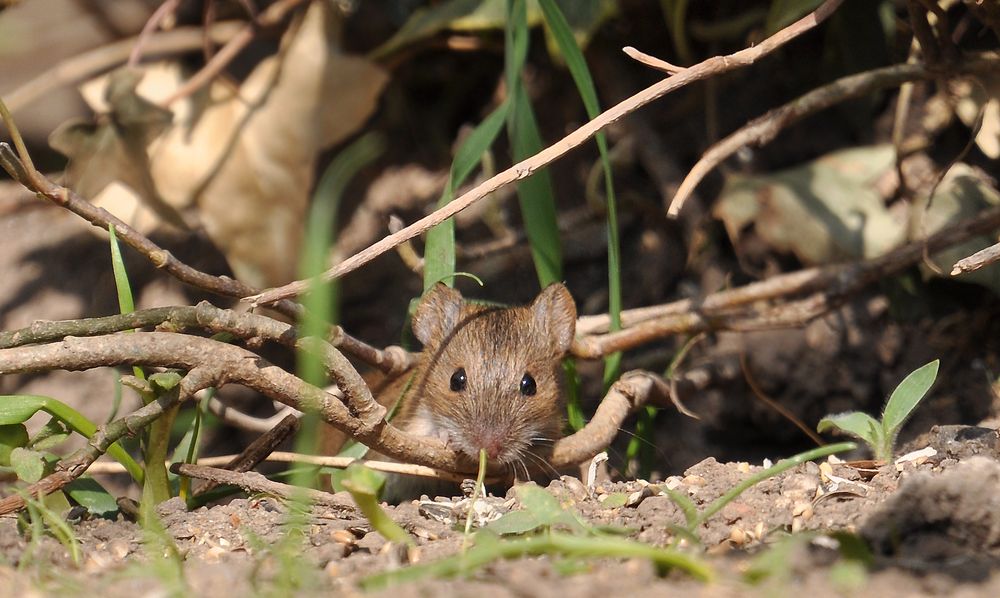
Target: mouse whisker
(545, 466)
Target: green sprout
(364, 485)
(881, 435)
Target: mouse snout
(494, 442)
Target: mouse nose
(493, 444)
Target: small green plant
(881, 435)
(364, 485)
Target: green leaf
(857, 424)
(29, 465)
(18, 408)
(125, 302)
(614, 500)
(439, 250)
(786, 12)
(91, 495)
(11, 436)
(164, 381)
(51, 435)
(577, 66)
(546, 509)
(362, 480)
(907, 396)
(515, 522)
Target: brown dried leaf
(244, 158)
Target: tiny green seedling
(364, 485)
(881, 435)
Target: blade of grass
(126, 304)
(772, 471)
(552, 543)
(535, 194)
(321, 301)
(439, 250)
(577, 65)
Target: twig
(708, 68)
(257, 451)
(204, 316)
(778, 407)
(252, 481)
(275, 13)
(238, 419)
(101, 218)
(981, 258)
(652, 61)
(334, 462)
(164, 10)
(762, 130)
(88, 64)
(830, 285)
(73, 466)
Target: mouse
(488, 378)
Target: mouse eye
(528, 385)
(458, 380)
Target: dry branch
(711, 67)
(252, 481)
(765, 128)
(829, 286)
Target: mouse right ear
(438, 313)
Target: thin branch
(652, 61)
(93, 62)
(238, 419)
(163, 11)
(708, 68)
(274, 14)
(108, 467)
(204, 316)
(257, 451)
(252, 481)
(977, 260)
(161, 258)
(764, 129)
(830, 285)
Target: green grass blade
(320, 301)
(439, 250)
(536, 197)
(577, 66)
(907, 396)
(126, 303)
(535, 194)
(772, 471)
(485, 552)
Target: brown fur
(496, 347)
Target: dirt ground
(933, 525)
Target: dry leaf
(244, 158)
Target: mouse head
(493, 377)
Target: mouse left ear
(438, 313)
(555, 312)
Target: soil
(933, 525)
